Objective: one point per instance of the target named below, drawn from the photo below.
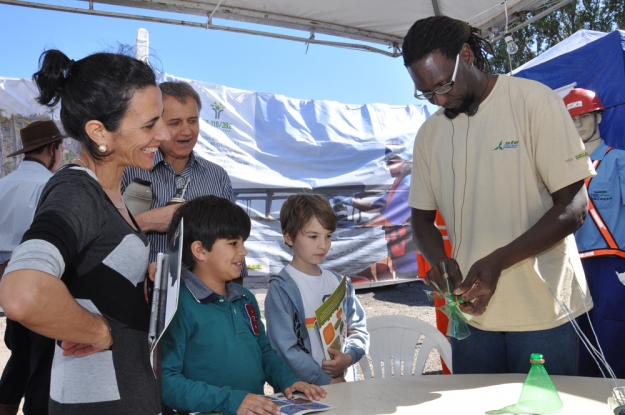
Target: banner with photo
(356, 156)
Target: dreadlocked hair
(446, 35)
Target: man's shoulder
(528, 88)
(131, 173)
(209, 165)
(28, 172)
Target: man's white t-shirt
(314, 291)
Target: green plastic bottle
(539, 394)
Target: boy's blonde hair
(299, 209)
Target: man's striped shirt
(207, 178)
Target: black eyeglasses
(443, 89)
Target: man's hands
(257, 405)
(453, 272)
(480, 284)
(312, 392)
(157, 219)
(84, 349)
(338, 364)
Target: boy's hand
(338, 379)
(257, 405)
(336, 366)
(312, 392)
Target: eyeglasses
(443, 89)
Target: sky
(235, 60)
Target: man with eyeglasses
(504, 164)
(178, 172)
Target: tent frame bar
(552, 8)
(310, 40)
(393, 43)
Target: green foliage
(537, 37)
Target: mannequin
(602, 252)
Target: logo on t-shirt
(506, 145)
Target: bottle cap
(537, 358)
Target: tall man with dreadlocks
(504, 164)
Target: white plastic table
(459, 395)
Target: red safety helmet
(582, 101)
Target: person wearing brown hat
(42, 144)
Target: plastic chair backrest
(393, 340)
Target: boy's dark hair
(446, 35)
(299, 209)
(206, 219)
(181, 91)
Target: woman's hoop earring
(102, 148)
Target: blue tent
(595, 62)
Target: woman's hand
(146, 282)
(85, 349)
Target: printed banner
(357, 156)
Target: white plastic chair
(393, 341)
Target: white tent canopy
(374, 21)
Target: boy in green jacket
(216, 355)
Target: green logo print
(218, 107)
(499, 147)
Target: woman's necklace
(121, 199)
(83, 163)
(123, 206)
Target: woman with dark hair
(79, 272)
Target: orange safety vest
(422, 264)
(613, 248)
(423, 267)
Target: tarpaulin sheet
(273, 146)
(597, 65)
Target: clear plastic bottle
(539, 394)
